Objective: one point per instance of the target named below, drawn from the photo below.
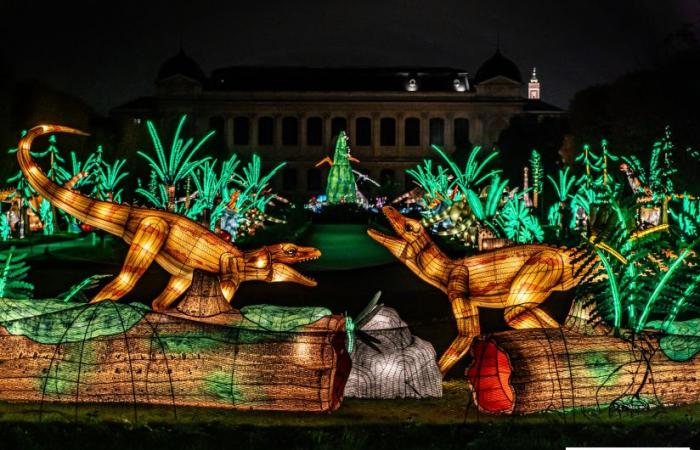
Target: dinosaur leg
(530, 287)
(148, 239)
(467, 317)
(176, 286)
(466, 314)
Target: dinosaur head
(271, 263)
(412, 237)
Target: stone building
(392, 115)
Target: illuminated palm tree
(177, 164)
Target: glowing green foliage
(474, 172)
(211, 187)
(518, 224)
(658, 178)
(341, 186)
(537, 172)
(562, 187)
(486, 212)
(435, 184)
(254, 187)
(109, 178)
(46, 215)
(77, 290)
(590, 161)
(646, 274)
(177, 164)
(13, 271)
(5, 229)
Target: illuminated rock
(394, 363)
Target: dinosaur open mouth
(392, 216)
(282, 272)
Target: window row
(363, 131)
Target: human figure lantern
(176, 243)
(341, 186)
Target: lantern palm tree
(178, 163)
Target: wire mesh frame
(317, 361)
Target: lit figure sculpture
(176, 243)
(341, 186)
(517, 279)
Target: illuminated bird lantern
(341, 187)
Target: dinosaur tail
(110, 217)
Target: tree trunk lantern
(527, 371)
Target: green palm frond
(13, 272)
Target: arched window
(290, 131)
(387, 131)
(387, 176)
(363, 131)
(313, 180)
(437, 131)
(289, 179)
(338, 124)
(218, 141)
(411, 133)
(461, 133)
(314, 131)
(266, 131)
(241, 131)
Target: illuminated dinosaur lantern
(176, 243)
(517, 279)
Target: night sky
(108, 52)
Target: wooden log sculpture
(259, 358)
(526, 371)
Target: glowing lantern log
(118, 353)
(527, 371)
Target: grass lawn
(343, 246)
(449, 422)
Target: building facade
(391, 115)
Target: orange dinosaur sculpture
(176, 243)
(517, 279)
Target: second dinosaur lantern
(176, 243)
(516, 279)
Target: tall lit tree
(537, 172)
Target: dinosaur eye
(408, 227)
(292, 251)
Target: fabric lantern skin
(262, 357)
(176, 243)
(341, 181)
(517, 279)
(395, 364)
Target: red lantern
(225, 235)
(86, 227)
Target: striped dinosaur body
(516, 279)
(178, 244)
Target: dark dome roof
(498, 65)
(181, 64)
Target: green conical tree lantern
(341, 181)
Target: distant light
(137, 121)
(412, 86)
(458, 85)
